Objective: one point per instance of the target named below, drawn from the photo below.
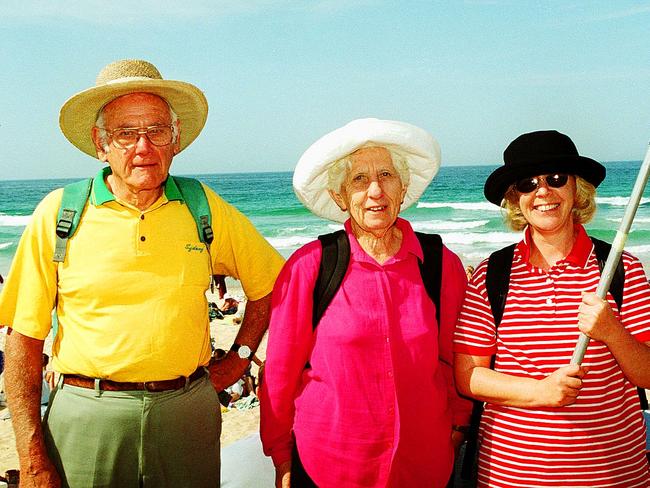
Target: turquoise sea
(452, 206)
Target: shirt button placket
(142, 237)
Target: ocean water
(453, 206)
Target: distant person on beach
(469, 271)
(230, 305)
(136, 403)
(548, 422)
(367, 399)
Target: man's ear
(102, 152)
(177, 144)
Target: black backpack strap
(497, 280)
(497, 283)
(431, 267)
(333, 266)
(602, 249)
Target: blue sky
(278, 74)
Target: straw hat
(79, 113)
(420, 151)
(539, 153)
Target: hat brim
(79, 113)
(499, 181)
(420, 151)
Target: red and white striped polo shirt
(600, 440)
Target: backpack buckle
(208, 235)
(64, 224)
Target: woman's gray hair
(338, 170)
(103, 135)
(584, 205)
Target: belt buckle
(150, 386)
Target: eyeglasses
(527, 185)
(127, 137)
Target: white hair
(339, 169)
(103, 135)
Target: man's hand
(283, 475)
(561, 387)
(227, 371)
(43, 476)
(23, 381)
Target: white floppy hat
(419, 149)
(79, 113)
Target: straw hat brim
(499, 181)
(419, 149)
(79, 113)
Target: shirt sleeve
(635, 312)
(475, 332)
(240, 251)
(29, 293)
(454, 283)
(289, 345)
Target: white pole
(617, 248)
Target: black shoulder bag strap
(497, 283)
(497, 280)
(333, 266)
(602, 249)
(431, 267)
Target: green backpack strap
(73, 202)
(197, 202)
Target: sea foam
(14, 220)
(467, 238)
(482, 206)
(439, 225)
(293, 242)
(618, 201)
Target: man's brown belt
(108, 385)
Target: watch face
(244, 352)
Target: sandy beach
(236, 423)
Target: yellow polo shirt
(130, 296)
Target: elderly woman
(366, 399)
(547, 422)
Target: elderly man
(135, 405)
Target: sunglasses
(557, 180)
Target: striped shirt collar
(578, 256)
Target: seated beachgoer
(213, 312)
(230, 305)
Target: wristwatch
(243, 351)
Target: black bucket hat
(538, 153)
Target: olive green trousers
(133, 439)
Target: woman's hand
(561, 387)
(596, 318)
(283, 475)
